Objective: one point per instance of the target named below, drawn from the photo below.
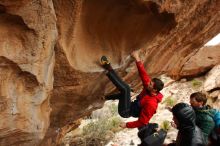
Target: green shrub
(169, 101)
(165, 125)
(100, 131)
(196, 83)
(114, 109)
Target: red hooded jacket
(148, 102)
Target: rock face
(202, 61)
(28, 36)
(49, 51)
(213, 79)
(212, 85)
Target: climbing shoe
(104, 60)
(105, 63)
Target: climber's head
(155, 85)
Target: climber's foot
(105, 63)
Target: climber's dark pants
(124, 95)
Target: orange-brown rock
(50, 49)
(28, 34)
(203, 60)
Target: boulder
(201, 61)
(212, 81)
